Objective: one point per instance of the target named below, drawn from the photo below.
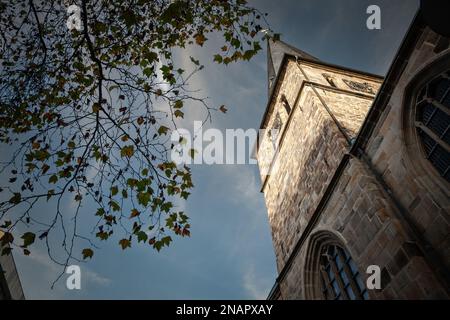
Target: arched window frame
(417, 163)
(313, 270)
(430, 117)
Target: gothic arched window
(433, 122)
(340, 277)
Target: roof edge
(286, 57)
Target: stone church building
(355, 171)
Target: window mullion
(438, 105)
(327, 282)
(335, 270)
(445, 94)
(431, 116)
(350, 276)
(434, 136)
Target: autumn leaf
(87, 253)
(45, 168)
(6, 239)
(94, 123)
(134, 213)
(96, 107)
(200, 39)
(125, 243)
(223, 109)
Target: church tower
(332, 212)
(314, 113)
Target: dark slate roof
(275, 53)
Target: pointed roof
(276, 49)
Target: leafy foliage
(89, 113)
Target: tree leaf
(28, 239)
(223, 109)
(53, 179)
(6, 239)
(200, 39)
(125, 243)
(114, 190)
(142, 236)
(127, 151)
(163, 130)
(15, 198)
(178, 104)
(87, 253)
(134, 213)
(179, 114)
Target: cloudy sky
(230, 254)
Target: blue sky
(230, 253)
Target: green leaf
(114, 205)
(53, 179)
(87, 253)
(100, 212)
(143, 198)
(114, 190)
(28, 239)
(166, 206)
(166, 240)
(163, 130)
(127, 151)
(157, 245)
(178, 104)
(179, 114)
(142, 236)
(148, 72)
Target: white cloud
(52, 270)
(255, 286)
